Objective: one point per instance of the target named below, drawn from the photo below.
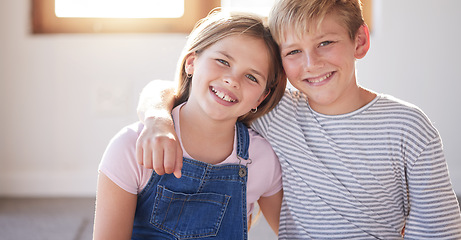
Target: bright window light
(119, 8)
(261, 7)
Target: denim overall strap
(243, 140)
(208, 202)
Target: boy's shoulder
(292, 98)
(390, 103)
(407, 114)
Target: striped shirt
(362, 175)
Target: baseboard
(45, 184)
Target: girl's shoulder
(119, 160)
(256, 140)
(265, 173)
(260, 148)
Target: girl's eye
(224, 62)
(251, 77)
(325, 43)
(293, 52)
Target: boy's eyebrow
(251, 69)
(283, 45)
(323, 35)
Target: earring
(189, 76)
(254, 110)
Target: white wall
(416, 55)
(63, 97)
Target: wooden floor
(65, 219)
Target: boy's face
(321, 64)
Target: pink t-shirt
(120, 165)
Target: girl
(230, 74)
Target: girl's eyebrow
(226, 54)
(257, 73)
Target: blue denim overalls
(207, 202)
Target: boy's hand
(158, 147)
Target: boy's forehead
(314, 29)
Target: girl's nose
(232, 81)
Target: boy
(356, 164)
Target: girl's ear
(362, 42)
(263, 96)
(189, 64)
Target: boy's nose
(312, 60)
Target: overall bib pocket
(188, 215)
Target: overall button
(242, 172)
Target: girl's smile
(221, 94)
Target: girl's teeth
(223, 96)
(319, 79)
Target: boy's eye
(251, 77)
(293, 52)
(325, 43)
(223, 62)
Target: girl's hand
(158, 147)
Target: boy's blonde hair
(218, 25)
(302, 16)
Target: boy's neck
(346, 104)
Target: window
(45, 20)
(367, 13)
(186, 13)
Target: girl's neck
(205, 139)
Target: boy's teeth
(319, 79)
(222, 95)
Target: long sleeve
(433, 211)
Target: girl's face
(229, 77)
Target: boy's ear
(362, 42)
(189, 64)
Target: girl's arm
(157, 146)
(270, 206)
(115, 209)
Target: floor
(65, 219)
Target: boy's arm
(157, 146)
(434, 211)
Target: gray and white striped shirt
(361, 175)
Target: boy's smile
(320, 79)
(321, 64)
